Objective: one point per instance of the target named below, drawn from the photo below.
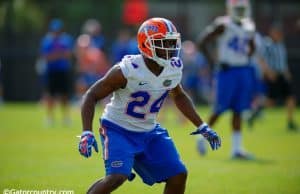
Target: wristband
(86, 132)
(203, 125)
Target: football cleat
(242, 156)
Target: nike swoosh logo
(142, 83)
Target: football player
(130, 135)
(232, 37)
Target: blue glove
(87, 141)
(210, 135)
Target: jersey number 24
(141, 99)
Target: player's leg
(273, 91)
(107, 184)
(224, 88)
(237, 148)
(236, 135)
(160, 162)
(64, 99)
(257, 103)
(63, 86)
(241, 102)
(95, 184)
(176, 184)
(213, 119)
(118, 158)
(51, 91)
(50, 102)
(256, 110)
(290, 102)
(224, 92)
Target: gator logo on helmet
(151, 28)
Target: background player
(280, 87)
(91, 58)
(130, 135)
(261, 71)
(56, 50)
(233, 38)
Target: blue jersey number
(141, 99)
(155, 107)
(238, 45)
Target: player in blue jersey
(56, 50)
(130, 135)
(233, 39)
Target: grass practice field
(35, 157)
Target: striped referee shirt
(275, 55)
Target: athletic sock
(236, 142)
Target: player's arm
(251, 47)
(113, 80)
(267, 71)
(209, 35)
(260, 52)
(185, 105)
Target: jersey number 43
(239, 45)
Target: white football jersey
(233, 43)
(135, 107)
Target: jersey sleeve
(222, 20)
(217, 25)
(249, 26)
(125, 66)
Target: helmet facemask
(239, 10)
(239, 13)
(164, 47)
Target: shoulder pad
(249, 25)
(129, 63)
(222, 20)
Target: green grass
(33, 156)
